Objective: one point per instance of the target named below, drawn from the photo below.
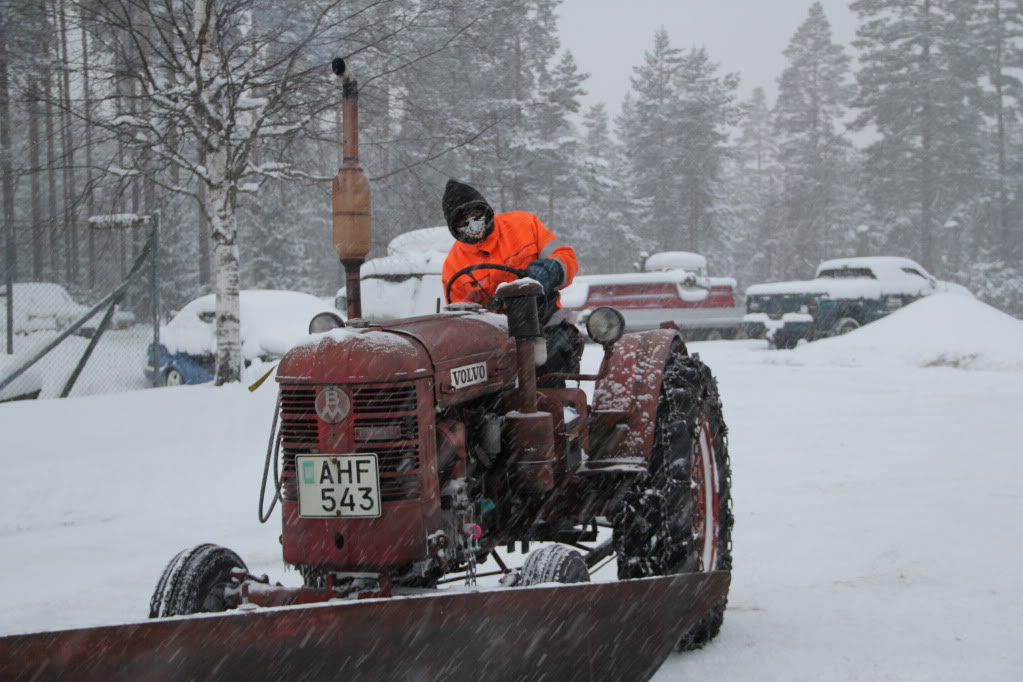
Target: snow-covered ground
(876, 498)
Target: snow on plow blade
(600, 631)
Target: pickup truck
(673, 288)
(845, 294)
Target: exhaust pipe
(350, 196)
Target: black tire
(554, 564)
(194, 581)
(784, 341)
(844, 326)
(678, 517)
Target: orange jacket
(518, 239)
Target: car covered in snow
(673, 287)
(407, 281)
(845, 294)
(41, 307)
(272, 322)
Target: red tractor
(404, 453)
(412, 450)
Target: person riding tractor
(512, 241)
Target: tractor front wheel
(677, 517)
(554, 564)
(194, 582)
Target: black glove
(547, 271)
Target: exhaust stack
(350, 194)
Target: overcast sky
(609, 37)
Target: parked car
(674, 287)
(48, 307)
(407, 281)
(845, 294)
(272, 322)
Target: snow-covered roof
(676, 260)
(892, 275)
(384, 300)
(421, 263)
(272, 323)
(575, 295)
(424, 239)
(884, 267)
(835, 288)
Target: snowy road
(876, 512)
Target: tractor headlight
(324, 322)
(605, 325)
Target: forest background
(223, 116)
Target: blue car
(272, 322)
(181, 368)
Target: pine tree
(918, 88)
(553, 145)
(815, 173)
(599, 220)
(997, 27)
(649, 137)
(704, 111)
(752, 192)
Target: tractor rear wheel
(554, 564)
(677, 518)
(194, 582)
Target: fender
(631, 388)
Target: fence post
(155, 295)
(9, 284)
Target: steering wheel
(481, 266)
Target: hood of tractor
(469, 354)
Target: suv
(845, 294)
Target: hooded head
(470, 218)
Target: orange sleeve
(462, 289)
(549, 247)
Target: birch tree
(238, 80)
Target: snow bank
(26, 384)
(943, 330)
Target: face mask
(474, 228)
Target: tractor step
(592, 631)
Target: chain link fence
(85, 332)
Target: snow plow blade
(589, 631)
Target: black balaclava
(459, 200)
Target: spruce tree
(813, 92)
(649, 134)
(918, 88)
(703, 112)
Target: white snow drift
(943, 330)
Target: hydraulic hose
(272, 448)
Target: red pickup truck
(674, 286)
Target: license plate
(333, 486)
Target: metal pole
(10, 288)
(155, 283)
(104, 323)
